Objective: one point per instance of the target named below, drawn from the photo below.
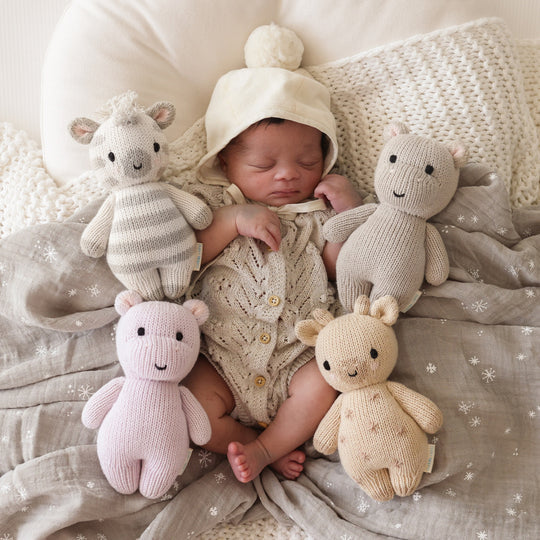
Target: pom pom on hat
(273, 46)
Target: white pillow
(176, 50)
(462, 83)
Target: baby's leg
(309, 399)
(217, 400)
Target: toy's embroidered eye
(156, 147)
(140, 331)
(326, 365)
(393, 158)
(373, 353)
(429, 169)
(179, 336)
(111, 157)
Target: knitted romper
(255, 297)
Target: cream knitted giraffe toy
(377, 425)
(144, 224)
(389, 247)
(146, 418)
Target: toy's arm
(325, 439)
(95, 236)
(197, 213)
(437, 265)
(101, 402)
(424, 412)
(197, 419)
(338, 228)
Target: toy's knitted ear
(307, 331)
(361, 305)
(386, 309)
(163, 113)
(126, 300)
(199, 309)
(459, 153)
(394, 129)
(83, 129)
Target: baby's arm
(239, 219)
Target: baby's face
(275, 164)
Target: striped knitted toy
(389, 247)
(377, 425)
(144, 225)
(146, 418)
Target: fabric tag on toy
(198, 248)
(190, 451)
(415, 298)
(431, 458)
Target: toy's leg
(147, 283)
(123, 477)
(404, 483)
(406, 476)
(350, 289)
(376, 484)
(175, 279)
(157, 475)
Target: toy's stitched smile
(398, 194)
(353, 374)
(137, 168)
(161, 368)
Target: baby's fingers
(271, 236)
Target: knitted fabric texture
(144, 225)
(255, 296)
(464, 82)
(146, 419)
(389, 247)
(376, 425)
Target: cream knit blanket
(471, 82)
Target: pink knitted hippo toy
(146, 418)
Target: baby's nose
(286, 171)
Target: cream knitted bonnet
(270, 86)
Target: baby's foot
(247, 460)
(290, 465)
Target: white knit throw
(471, 82)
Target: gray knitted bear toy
(389, 247)
(144, 225)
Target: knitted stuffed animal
(389, 247)
(377, 425)
(144, 224)
(146, 418)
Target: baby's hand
(259, 222)
(339, 192)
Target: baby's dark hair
(325, 143)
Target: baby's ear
(126, 300)
(459, 153)
(394, 129)
(386, 309)
(199, 309)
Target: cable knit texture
(378, 426)
(144, 225)
(146, 419)
(389, 247)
